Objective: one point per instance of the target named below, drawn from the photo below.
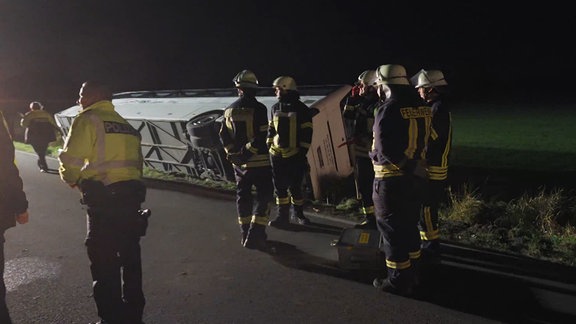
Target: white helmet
(391, 74)
(36, 105)
(368, 78)
(429, 79)
(245, 79)
(284, 83)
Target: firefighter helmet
(284, 83)
(429, 79)
(368, 78)
(246, 79)
(391, 74)
(35, 105)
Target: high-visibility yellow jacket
(101, 146)
(40, 126)
(37, 115)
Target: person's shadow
(290, 256)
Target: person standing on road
(401, 131)
(432, 87)
(41, 129)
(13, 204)
(358, 114)
(243, 135)
(289, 138)
(103, 158)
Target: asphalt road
(196, 271)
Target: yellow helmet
(284, 83)
(368, 78)
(245, 79)
(429, 79)
(391, 74)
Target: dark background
(488, 52)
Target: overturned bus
(179, 131)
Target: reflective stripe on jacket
(290, 130)
(440, 143)
(402, 127)
(244, 131)
(101, 146)
(359, 114)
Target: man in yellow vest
(102, 157)
(41, 129)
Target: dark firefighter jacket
(401, 130)
(290, 130)
(243, 132)
(12, 197)
(440, 142)
(359, 115)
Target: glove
(355, 91)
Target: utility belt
(95, 193)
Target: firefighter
(40, 130)
(401, 131)
(102, 157)
(432, 87)
(13, 205)
(289, 138)
(358, 115)
(243, 135)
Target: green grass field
(514, 137)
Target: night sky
(49, 47)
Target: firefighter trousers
(261, 179)
(288, 175)
(397, 204)
(434, 195)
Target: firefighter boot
(397, 282)
(368, 223)
(256, 238)
(282, 219)
(299, 215)
(244, 228)
(431, 251)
